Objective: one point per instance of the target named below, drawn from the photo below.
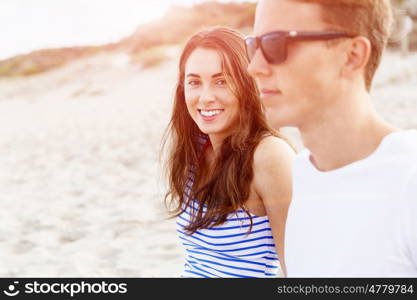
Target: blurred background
(86, 89)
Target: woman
(229, 173)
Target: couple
(346, 206)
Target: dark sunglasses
(274, 45)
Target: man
(354, 207)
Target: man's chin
(277, 120)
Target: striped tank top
(228, 250)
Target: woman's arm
(272, 165)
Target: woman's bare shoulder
(272, 149)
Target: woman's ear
(357, 55)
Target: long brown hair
(228, 187)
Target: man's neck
(345, 135)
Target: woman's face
(210, 101)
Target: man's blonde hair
(369, 18)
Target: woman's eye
(193, 82)
(221, 82)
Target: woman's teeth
(210, 113)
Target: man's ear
(357, 55)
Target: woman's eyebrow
(212, 76)
(192, 75)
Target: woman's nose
(207, 96)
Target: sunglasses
(274, 45)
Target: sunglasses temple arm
(319, 36)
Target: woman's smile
(210, 114)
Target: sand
(81, 188)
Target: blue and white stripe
(229, 250)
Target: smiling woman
(228, 171)
(210, 102)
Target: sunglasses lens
(274, 48)
(250, 43)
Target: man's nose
(258, 66)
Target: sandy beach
(81, 186)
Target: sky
(28, 25)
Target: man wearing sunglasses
(354, 207)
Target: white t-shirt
(359, 220)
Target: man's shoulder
(411, 183)
(405, 151)
(406, 141)
(408, 150)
